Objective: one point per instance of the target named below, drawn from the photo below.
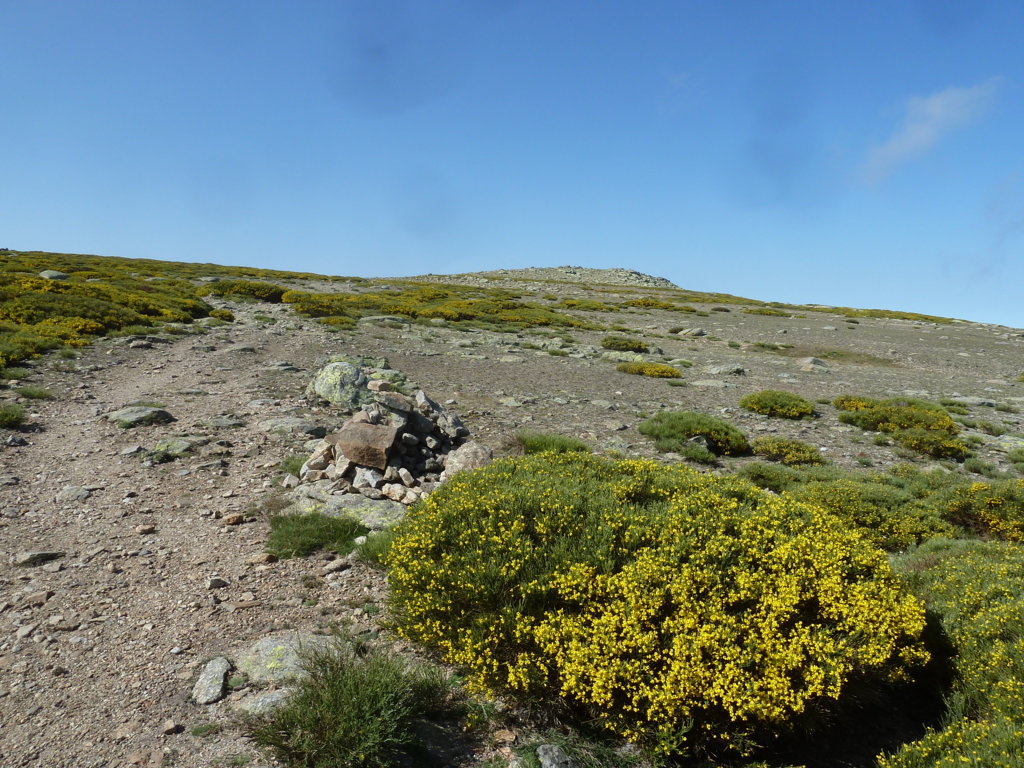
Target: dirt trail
(100, 647)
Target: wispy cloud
(927, 120)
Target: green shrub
(787, 451)
(12, 415)
(532, 441)
(302, 535)
(292, 463)
(672, 430)
(349, 710)
(34, 393)
(223, 314)
(623, 344)
(773, 402)
(771, 477)
(654, 370)
(632, 591)
(937, 444)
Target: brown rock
(378, 385)
(236, 518)
(366, 444)
(145, 529)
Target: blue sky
(864, 154)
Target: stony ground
(100, 646)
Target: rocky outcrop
(388, 454)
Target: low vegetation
(673, 431)
(623, 344)
(12, 415)
(773, 402)
(653, 370)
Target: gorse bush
(250, 289)
(632, 590)
(773, 402)
(787, 451)
(623, 344)
(915, 424)
(904, 506)
(977, 590)
(653, 370)
(672, 430)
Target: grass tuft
(350, 710)
(302, 535)
(12, 415)
(532, 441)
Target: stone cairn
(396, 443)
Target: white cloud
(926, 121)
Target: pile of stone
(396, 443)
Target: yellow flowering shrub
(916, 424)
(774, 402)
(977, 590)
(253, 289)
(679, 610)
(787, 451)
(995, 509)
(654, 370)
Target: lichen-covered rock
(344, 381)
(375, 514)
(209, 688)
(471, 455)
(341, 384)
(275, 658)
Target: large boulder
(344, 381)
(341, 384)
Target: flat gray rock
(275, 658)
(72, 493)
(375, 514)
(29, 559)
(290, 425)
(263, 702)
(53, 274)
(209, 688)
(552, 756)
(139, 415)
